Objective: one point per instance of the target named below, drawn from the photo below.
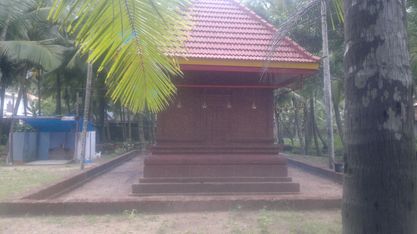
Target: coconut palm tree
(131, 39)
(24, 38)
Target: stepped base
(223, 174)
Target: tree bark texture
(379, 194)
(327, 88)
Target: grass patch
(15, 180)
(238, 222)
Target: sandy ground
(117, 184)
(234, 221)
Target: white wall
(10, 102)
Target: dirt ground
(234, 221)
(122, 177)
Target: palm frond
(48, 56)
(13, 10)
(130, 38)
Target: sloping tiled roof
(224, 29)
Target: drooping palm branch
(130, 39)
(47, 55)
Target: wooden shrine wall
(210, 117)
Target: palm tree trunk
(307, 130)
(129, 127)
(313, 120)
(86, 112)
(67, 98)
(339, 123)
(297, 124)
(380, 182)
(327, 83)
(25, 99)
(9, 159)
(58, 107)
(141, 131)
(317, 130)
(2, 96)
(38, 84)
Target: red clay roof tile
(224, 29)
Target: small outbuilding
(51, 138)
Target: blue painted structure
(55, 138)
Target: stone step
(212, 179)
(215, 188)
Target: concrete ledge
(74, 181)
(162, 205)
(215, 188)
(319, 171)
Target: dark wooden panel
(217, 117)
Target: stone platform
(111, 193)
(215, 174)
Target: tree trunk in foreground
(327, 88)
(379, 194)
(86, 112)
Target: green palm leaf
(131, 39)
(46, 55)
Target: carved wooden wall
(217, 117)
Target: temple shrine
(217, 135)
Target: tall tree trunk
(141, 131)
(297, 124)
(3, 35)
(339, 123)
(279, 129)
(38, 84)
(129, 126)
(67, 100)
(9, 159)
(380, 183)
(25, 98)
(102, 106)
(2, 96)
(122, 123)
(108, 132)
(58, 107)
(317, 130)
(313, 120)
(327, 83)
(307, 130)
(86, 114)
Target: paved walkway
(116, 184)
